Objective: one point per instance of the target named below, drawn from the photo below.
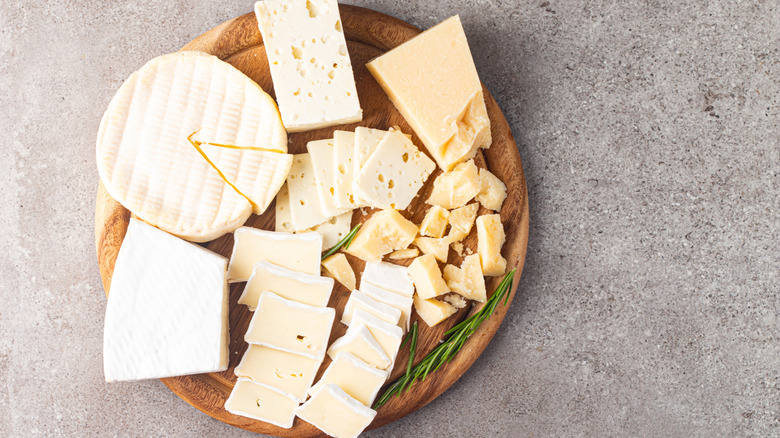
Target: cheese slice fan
(147, 163)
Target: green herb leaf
(343, 242)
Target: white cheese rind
(357, 378)
(261, 402)
(160, 285)
(359, 300)
(360, 342)
(297, 252)
(291, 285)
(388, 276)
(400, 302)
(389, 336)
(336, 413)
(309, 62)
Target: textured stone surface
(650, 136)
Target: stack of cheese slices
(192, 147)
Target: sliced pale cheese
(333, 229)
(439, 248)
(467, 280)
(461, 220)
(298, 252)
(432, 81)
(147, 163)
(306, 208)
(361, 343)
(381, 234)
(490, 239)
(366, 142)
(492, 191)
(433, 311)
(455, 188)
(336, 413)
(394, 173)
(291, 285)
(309, 62)
(282, 218)
(291, 326)
(344, 169)
(400, 302)
(261, 402)
(321, 155)
(434, 223)
(338, 268)
(427, 277)
(389, 336)
(359, 300)
(402, 254)
(357, 378)
(288, 372)
(167, 308)
(388, 276)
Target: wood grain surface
(369, 34)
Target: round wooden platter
(368, 34)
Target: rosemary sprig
(343, 242)
(444, 352)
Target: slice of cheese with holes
(309, 62)
(261, 402)
(291, 326)
(343, 168)
(146, 162)
(321, 155)
(366, 142)
(288, 372)
(306, 208)
(297, 252)
(283, 221)
(357, 378)
(333, 229)
(292, 285)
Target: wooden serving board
(369, 34)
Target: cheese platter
(418, 275)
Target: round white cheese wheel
(147, 163)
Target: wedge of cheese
(298, 252)
(261, 402)
(381, 234)
(433, 82)
(357, 378)
(336, 413)
(167, 308)
(338, 268)
(147, 163)
(291, 285)
(433, 311)
(467, 281)
(455, 188)
(310, 65)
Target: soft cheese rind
(261, 402)
(298, 252)
(291, 285)
(336, 413)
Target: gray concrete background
(649, 135)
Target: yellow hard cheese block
(357, 378)
(298, 252)
(433, 82)
(455, 188)
(492, 191)
(292, 285)
(401, 254)
(435, 222)
(439, 248)
(467, 280)
(381, 234)
(288, 372)
(338, 268)
(261, 402)
(336, 413)
(427, 277)
(461, 220)
(490, 239)
(432, 311)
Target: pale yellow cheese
(282, 218)
(490, 239)
(440, 247)
(458, 248)
(292, 285)
(336, 413)
(389, 336)
(359, 300)
(467, 280)
(298, 252)
(333, 229)
(338, 268)
(435, 222)
(400, 302)
(344, 169)
(359, 342)
(401, 254)
(290, 326)
(357, 378)
(366, 142)
(455, 300)
(455, 188)
(432, 311)
(288, 372)
(492, 191)
(427, 277)
(461, 220)
(433, 82)
(381, 234)
(261, 402)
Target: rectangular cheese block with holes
(309, 62)
(433, 311)
(388, 276)
(261, 402)
(282, 218)
(306, 208)
(344, 169)
(288, 372)
(357, 378)
(336, 413)
(321, 154)
(382, 233)
(337, 267)
(290, 326)
(297, 252)
(467, 281)
(333, 229)
(366, 142)
(359, 300)
(394, 173)
(291, 285)
(389, 336)
(490, 239)
(433, 82)
(427, 277)
(359, 342)
(167, 308)
(400, 302)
